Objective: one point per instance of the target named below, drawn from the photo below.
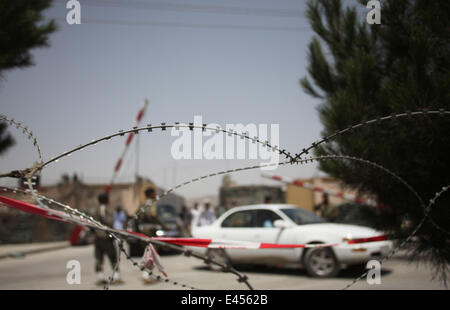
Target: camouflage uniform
(149, 220)
(103, 243)
(148, 225)
(329, 212)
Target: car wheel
(321, 263)
(218, 255)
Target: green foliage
(6, 140)
(360, 72)
(22, 28)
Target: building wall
(307, 199)
(330, 184)
(301, 197)
(247, 195)
(20, 227)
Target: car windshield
(302, 217)
(166, 212)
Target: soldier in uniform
(149, 223)
(327, 211)
(104, 245)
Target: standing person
(319, 208)
(104, 245)
(186, 218)
(208, 216)
(195, 214)
(119, 218)
(221, 210)
(148, 224)
(327, 211)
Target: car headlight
(160, 233)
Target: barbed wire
(116, 265)
(150, 272)
(163, 127)
(113, 233)
(330, 157)
(86, 220)
(378, 120)
(149, 128)
(30, 136)
(244, 135)
(319, 158)
(333, 157)
(92, 221)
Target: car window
(240, 219)
(302, 217)
(166, 212)
(266, 218)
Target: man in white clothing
(208, 216)
(195, 214)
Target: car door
(255, 226)
(239, 226)
(266, 232)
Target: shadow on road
(351, 272)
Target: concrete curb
(24, 251)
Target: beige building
(307, 198)
(18, 226)
(84, 196)
(231, 194)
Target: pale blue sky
(236, 67)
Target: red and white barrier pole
(127, 144)
(312, 187)
(195, 242)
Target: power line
(185, 25)
(193, 8)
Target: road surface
(48, 271)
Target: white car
(287, 224)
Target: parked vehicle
(167, 213)
(287, 224)
(356, 214)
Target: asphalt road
(48, 271)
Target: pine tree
(6, 140)
(360, 72)
(22, 28)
